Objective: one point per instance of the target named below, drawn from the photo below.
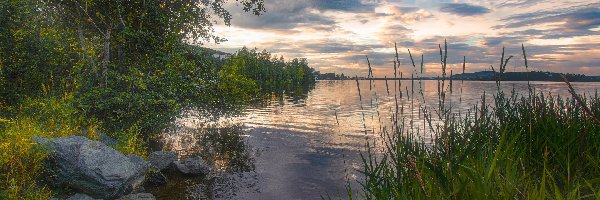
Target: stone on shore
(161, 160)
(194, 166)
(92, 168)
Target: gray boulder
(138, 161)
(138, 196)
(92, 168)
(194, 166)
(161, 160)
(137, 184)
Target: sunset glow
(335, 35)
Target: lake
(303, 146)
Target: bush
(131, 142)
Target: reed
(532, 146)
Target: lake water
(304, 146)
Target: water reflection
(294, 96)
(302, 144)
(219, 144)
(182, 187)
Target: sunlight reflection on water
(309, 145)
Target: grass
(131, 141)
(21, 161)
(529, 146)
(22, 168)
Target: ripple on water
(295, 148)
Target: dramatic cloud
(336, 35)
(283, 15)
(464, 9)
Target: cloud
(344, 5)
(289, 14)
(336, 47)
(530, 32)
(566, 22)
(284, 15)
(335, 35)
(377, 60)
(397, 21)
(504, 40)
(518, 3)
(464, 9)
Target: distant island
(331, 76)
(480, 76)
(524, 76)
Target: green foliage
(126, 61)
(149, 99)
(35, 57)
(131, 142)
(21, 162)
(236, 88)
(270, 73)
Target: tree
(124, 31)
(36, 57)
(135, 70)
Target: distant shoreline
(433, 79)
(490, 76)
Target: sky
(336, 35)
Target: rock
(138, 184)
(161, 160)
(138, 196)
(40, 140)
(138, 161)
(80, 196)
(92, 168)
(195, 166)
(107, 140)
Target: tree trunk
(106, 59)
(85, 48)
